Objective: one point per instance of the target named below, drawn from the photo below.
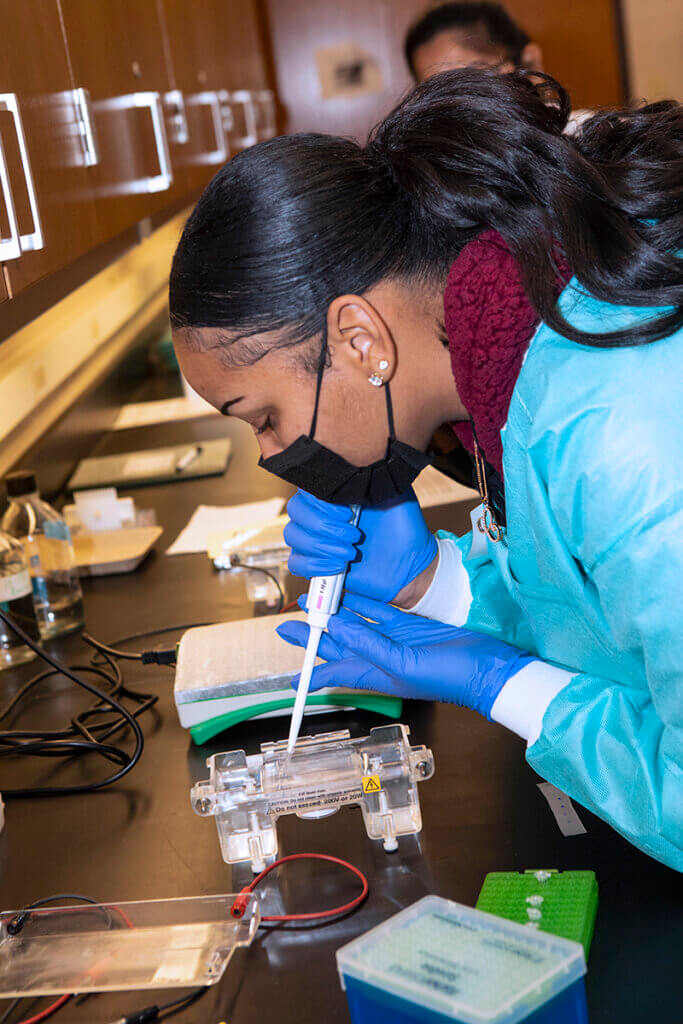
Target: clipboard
(153, 466)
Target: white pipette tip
(304, 682)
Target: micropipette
(324, 595)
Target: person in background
(457, 35)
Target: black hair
(288, 225)
(489, 24)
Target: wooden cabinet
(117, 54)
(112, 112)
(219, 79)
(43, 133)
(197, 103)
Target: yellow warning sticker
(371, 784)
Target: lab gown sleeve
(467, 590)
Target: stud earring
(384, 364)
(376, 380)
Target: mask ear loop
(390, 413)
(321, 369)
(319, 382)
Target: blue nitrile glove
(388, 549)
(408, 656)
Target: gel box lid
(463, 963)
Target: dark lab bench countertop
(140, 839)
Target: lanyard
(487, 521)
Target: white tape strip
(569, 822)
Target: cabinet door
(117, 54)
(252, 101)
(46, 194)
(218, 65)
(199, 143)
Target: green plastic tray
(390, 707)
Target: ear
(532, 57)
(359, 339)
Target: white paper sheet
(210, 519)
(434, 488)
(167, 410)
(149, 463)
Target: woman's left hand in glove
(370, 645)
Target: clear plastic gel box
(439, 962)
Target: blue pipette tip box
(439, 962)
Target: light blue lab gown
(590, 574)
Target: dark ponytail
(474, 149)
(287, 226)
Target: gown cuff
(449, 596)
(522, 703)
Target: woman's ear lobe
(357, 332)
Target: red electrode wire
(44, 1014)
(63, 1000)
(240, 905)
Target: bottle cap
(20, 483)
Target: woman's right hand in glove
(391, 554)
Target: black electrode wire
(22, 917)
(40, 747)
(17, 924)
(178, 1005)
(266, 572)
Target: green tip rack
(563, 903)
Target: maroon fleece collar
(489, 322)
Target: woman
(455, 35)
(474, 265)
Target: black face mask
(311, 466)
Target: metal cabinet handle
(175, 102)
(86, 127)
(227, 115)
(246, 97)
(33, 239)
(212, 100)
(162, 181)
(150, 101)
(266, 101)
(10, 248)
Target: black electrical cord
(165, 656)
(142, 635)
(236, 564)
(178, 1005)
(157, 1012)
(85, 734)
